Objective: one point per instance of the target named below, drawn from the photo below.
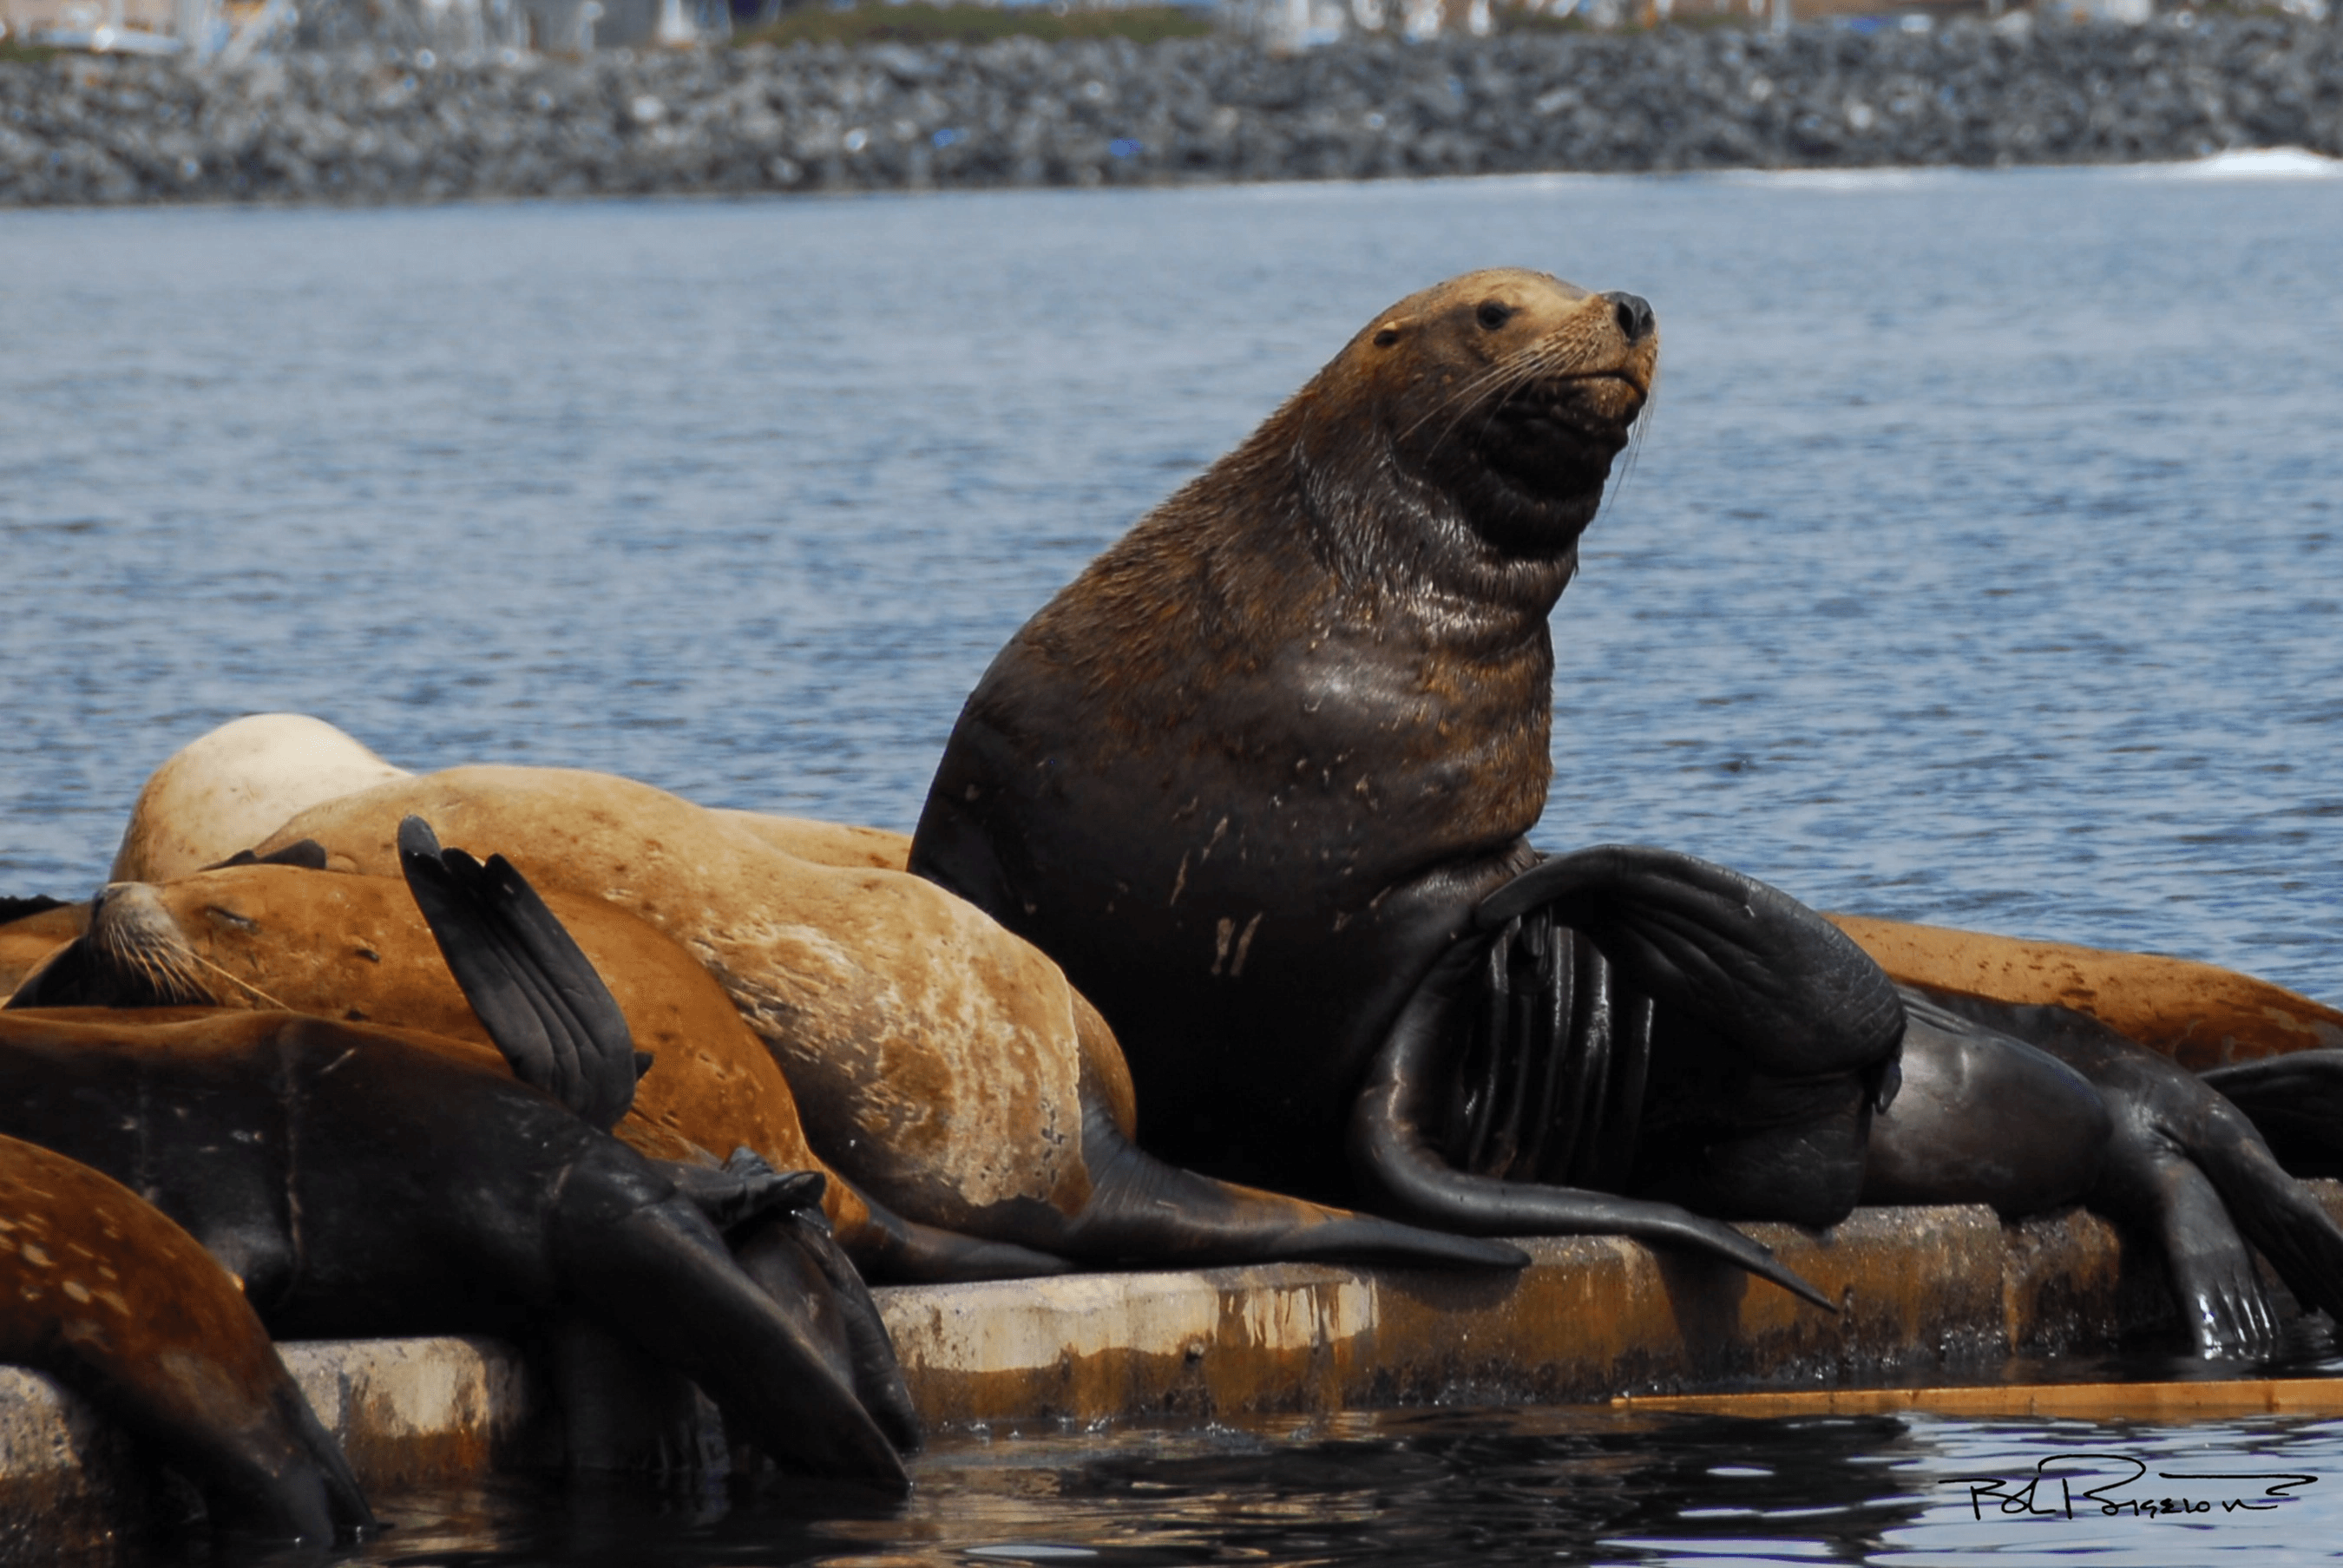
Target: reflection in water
(1505, 1487)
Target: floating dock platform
(1934, 1303)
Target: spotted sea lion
(101, 1292)
(222, 791)
(943, 1065)
(225, 790)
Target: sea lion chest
(1243, 850)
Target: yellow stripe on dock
(2099, 1400)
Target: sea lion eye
(1493, 314)
(1386, 338)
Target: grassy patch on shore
(877, 22)
(12, 52)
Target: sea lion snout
(1632, 312)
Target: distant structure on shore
(231, 30)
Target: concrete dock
(1929, 1298)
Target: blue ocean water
(1978, 564)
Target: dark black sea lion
(363, 1181)
(1249, 777)
(2027, 1105)
(101, 1292)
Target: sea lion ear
(534, 990)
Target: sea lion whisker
(1520, 368)
(238, 981)
(162, 962)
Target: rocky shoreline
(368, 126)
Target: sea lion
(221, 793)
(366, 1180)
(943, 1065)
(1249, 776)
(101, 1292)
(1983, 1117)
(263, 937)
(2200, 1015)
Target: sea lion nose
(1633, 314)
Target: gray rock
(368, 122)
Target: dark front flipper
(1791, 991)
(302, 854)
(794, 1258)
(773, 1222)
(648, 1264)
(535, 992)
(1401, 1116)
(2296, 1103)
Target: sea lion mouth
(1596, 402)
(1554, 438)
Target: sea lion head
(133, 954)
(1506, 392)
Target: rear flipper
(2172, 1133)
(794, 1258)
(1145, 1213)
(2295, 1101)
(169, 1348)
(1791, 991)
(774, 1224)
(1398, 1118)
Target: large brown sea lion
(101, 1292)
(230, 787)
(1248, 777)
(942, 1064)
(1261, 779)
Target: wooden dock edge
(1933, 1302)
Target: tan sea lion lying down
(279, 937)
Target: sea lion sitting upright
(1248, 777)
(1261, 779)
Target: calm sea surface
(1979, 564)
